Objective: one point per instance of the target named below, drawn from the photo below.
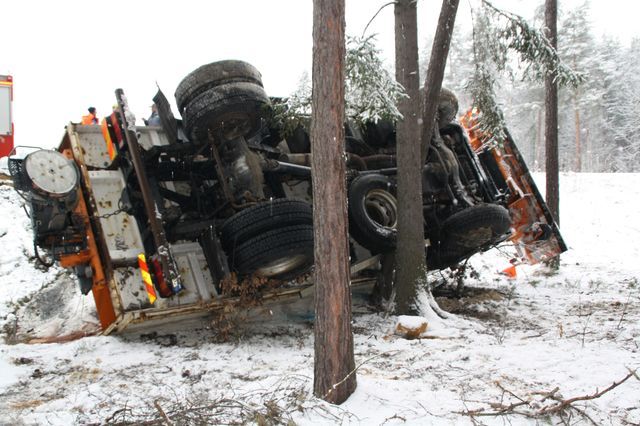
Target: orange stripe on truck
(107, 139)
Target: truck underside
(188, 216)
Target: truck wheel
(373, 212)
(262, 218)
(214, 74)
(233, 108)
(471, 230)
(282, 253)
(447, 107)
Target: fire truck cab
(6, 119)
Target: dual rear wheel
(225, 97)
(373, 218)
(273, 239)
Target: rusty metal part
(450, 162)
(379, 161)
(353, 160)
(281, 167)
(297, 159)
(97, 254)
(91, 256)
(169, 269)
(150, 317)
(166, 116)
(223, 181)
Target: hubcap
(282, 265)
(382, 208)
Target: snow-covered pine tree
(622, 103)
(371, 91)
(580, 107)
(497, 36)
(610, 74)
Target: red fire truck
(6, 119)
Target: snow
(411, 321)
(577, 330)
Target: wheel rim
(282, 265)
(382, 208)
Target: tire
(471, 230)
(447, 107)
(282, 253)
(214, 74)
(373, 212)
(232, 107)
(262, 218)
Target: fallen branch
(563, 404)
(547, 395)
(535, 407)
(156, 404)
(272, 406)
(64, 338)
(352, 372)
(624, 311)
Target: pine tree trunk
(578, 142)
(435, 73)
(589, 152)
(334, 365)
(576, 114)
(410, 252)
(537, 151)
(551, 122)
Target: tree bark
(551, 122)
(410, 252)
(589, 152)
(578, 141)
(383, 290)
(435, 73)
(538, 148)
(334, 365)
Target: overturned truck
(171, 221)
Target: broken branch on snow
(535, 407)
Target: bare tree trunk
(551, 122)
(334, 365)
(589, 151)
(435, 73)
(578, 142)
(576, 114)
(383, 291)
(410, 252)
(538, 149)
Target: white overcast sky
(68, 55)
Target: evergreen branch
(495, 34)
(371, 91)
(534, 48)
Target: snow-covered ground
(509, 343)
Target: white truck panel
(120, 231)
